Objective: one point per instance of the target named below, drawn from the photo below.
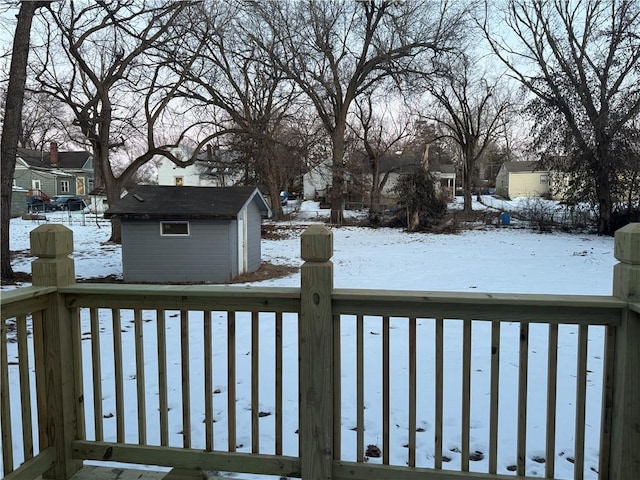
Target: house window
(544, 178)
(172, 229)
(64, 186)
(179, 181)
(36, 184)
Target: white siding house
(522, 179)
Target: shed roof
(172, 202)
(523, 166)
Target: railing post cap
(51, 240)
(316, 244)
(627, 244)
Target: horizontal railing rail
(181, 297)
(566, 309)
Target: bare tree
(581, 60)
(12, 123)
(470, 112)
(101, 61)
(43, 122)
(380, 132)
(255, 99)
(335, 51)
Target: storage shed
(189, 234)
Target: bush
(539, 213)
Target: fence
(318, 382)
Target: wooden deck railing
(292, 382)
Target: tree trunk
(376, 189)
(112, 190)
(468, 164)
(337, 188)
(466, 187)
(603, 166)
(12, 125)
(276, 205)
(605, 203)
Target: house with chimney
(52, 173)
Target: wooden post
(316, 355)
(625, 419)
(51, 244)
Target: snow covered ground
(492, 259)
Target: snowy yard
(493, 259)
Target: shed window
(174, 228)
(544, 178)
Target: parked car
(69, 203)
(39, 204)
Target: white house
(213, 168)
(522, 179)
(319, 179)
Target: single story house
(394, 166)
(318, 180)
(51, 173)
(522, 179)
(189, 234)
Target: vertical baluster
(495, 395)
(208, 381)
(118, 374)
(5, 406)
(386, 385)
(231, 380)
(466, 393)
(337, 389)
(25, 386)
(186, 387)
(522, 398)
(412, 392)
(607, 400)
(278, 393)
(41, 385)
(163, 403)
(140, 383)
(97, 374)
(439, 393)
(255, 382)
(360, 388)
(581, 394)
(552, 386)
(76, 341)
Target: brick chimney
(53, 154)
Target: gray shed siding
(254, 230)
(203, 256)
(18, 203)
